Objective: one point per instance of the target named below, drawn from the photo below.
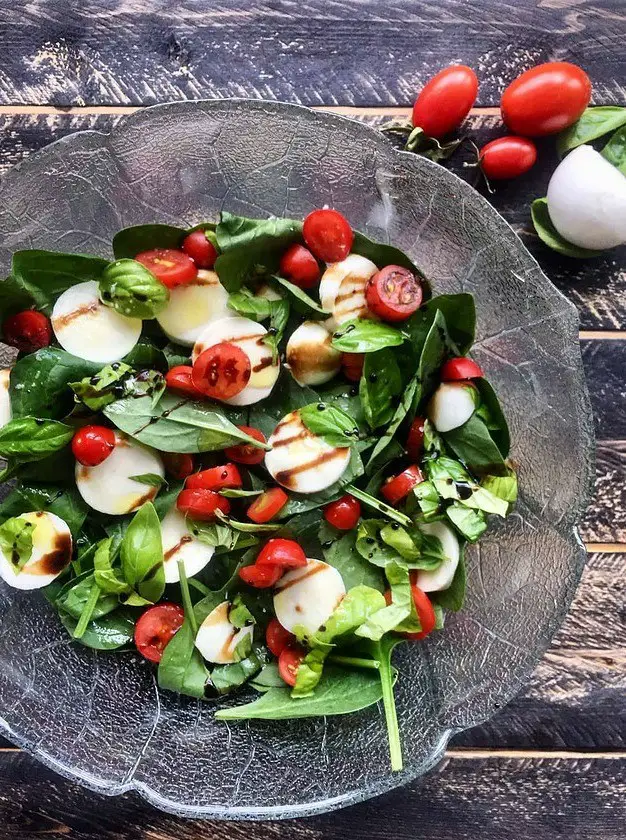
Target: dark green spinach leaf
(380, 386)
(595, 122)
(130, 241)
(31, 438)
(615, 150)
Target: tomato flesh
(179, 380)
(300, 266)
(455, 370)
(415, 439)
(92, 445)
(288, 663)
(261, 577)
(155, 628)
(169, 266)
(393, 293)
(222, 371)
(286, 554)
(245, 453)
(202, 504)
(178, 465)
(215, 478)
(352, 365)
(28, 331)
(201, 250)
(507, 157)
(267, 505)
(344, 513)
(445, 101)
(277, 638)
(328, 234)
(425, 613)
(395, 489)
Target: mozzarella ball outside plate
(342, 289)
(109, 487)
(52, 553)
(247, 335)
(300, 460)
(86, 328)
(218, 639)
(306, 597)
(180, 544)
(193, 307)
(452, 404)
(434, 580)
(311, 358)
(5, 400)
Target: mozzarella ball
(434, 580)
(217, 638)
(192, 307)
(307, 597)
(52, 553)
(5, 400)
(310, 356)
(452, 404)
(342, 289)
(180, 544)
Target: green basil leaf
(150, 479)
(358, 605)
(16, 541)
(615, 150)
(342, 554)
(594, 123)
(176, 355)
(474, 446)
(111, 632)
(105, 575)
(310, 672)
(130, 241)
(383, 254)
(237, 493)
(30, 438)
(142, 554)
(226, 678)
(409, 398)
(502, 486)
(380, 386)
(267, 678)
(330, 423)
(260, 308)
(287, 396)
(128, 287)
(402, 541)
(427, 499)
(387, 619)
(302, 303)
(550, 235)
(364, 336)
(145, 355)
(239, 615)
(459, 313)
(248, 527)
(73, 599)
(470, 523)
(491, 411)
(371, 547)
(102, 388)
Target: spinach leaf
(470, 523)
(141, 553)
(102, 388)
(267, 678)
(491, 412)
(502, 486)
(330, 423)
(364, 336)
(550, 235)
(459, 313)
(380, 386)
(128, 287)
(65, 503)
(387, 619)
(175, 355)
(16, 541)
(453, 597)
(111, 632)
(382, 254)
(30, 438)
(411, 392)
(146, 355)
(474, 446)
(74, 598)
(302, 303)
(260, 309)
(342, 553)
(371, 547)
(344, 396)
(225, 678)
(133, 240)
(39, 382)
(615, 150)
(594, 123)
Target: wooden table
(553, 763)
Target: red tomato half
(245, 453)
(155, 628)
(178, 380)
(445, 101)
(261, 577)
(507, 157)
(201, 250)
(300, 266)
(178, 464)
(222, 371)
(277, 638)
(286, 554)
(393, 293)
(455, 370)
(395, 489)
(352, 365)
(289, 662)
(328, 234)
(202, 504)
(28, 331)
(344, 513)
(173, 268)
(215, 478)
(92, 445)
(415, 439)
(267, 505)
(425, 613)
(545, 99)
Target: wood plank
(605, 520)
(605, 365)
(314, 52)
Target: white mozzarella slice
(87, 328)
(109, 488)
(217, 638)
(248, 335)
(308, 596)
(302, 461)
(342, 288)
(52, 552)
(440, 578)
(193, 307)
(5, 401)
(310, 356)
(452, 404)
(180, 544)
(266, 291)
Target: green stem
(355, 662)
(200, 587)
(381, 507)
(85, 616)
(187, 602)
(391, 715)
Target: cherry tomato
(201, 250)
(156, 627)
(507, 157)
(178, 464)
(328, 234)
(395, 489)
(545, 99)
(300, 266)
(455, 370)
(424, 609)
(222, 371)
(393, 293)
(261, 577)
(245, 453)
(215, 478)
(178, 380)
(415, 439)
(352, 365)
(267, 505)
(277, 638)
(445, 101)
(92, 445)
(202, 504)
(289, 662)
(286, 554)
(169, 266)
(344, 513)
(28, 331)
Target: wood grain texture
(605, 520)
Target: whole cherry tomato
(456, 370)
(344, 513)
(286, 554)
(352, 365)
(169, 266)
(507, 157)
(300, 266)
(156, 627)
(289, 662)
(178, 465)
(267, 505)
(179, 380)
(221, 371)
(215, 478)
(277, 638)
(92, 445)
(200, 248)
(202, 504)
(28, 331)
(395, 489)
(261, 577)
(445, 101)
(328, 234)
(245, 453)
(415, 439)
(393, 293)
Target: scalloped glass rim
(185, 161)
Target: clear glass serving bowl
(100, 719)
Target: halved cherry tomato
(169, 266)
(344, 513)
(545, 99)
(277, 638)
(455, 370)
(415, 439)
(424, 609)
(286, 554)
(445, 101)
(222, 371)
(267, 505)
(178, 380)
(300, 266)
(215, 478)
(156, 627)
(328, 234)
(289, 662)
(28, 331)
(396, 488)
(178, 465)
(393, 293)
(507, 157)
(245, 453)
(352, 365)
(201, 250)
(92, 445)
(261, 577)
(202, 504)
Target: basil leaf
(111, 632)
(615, 150)
(74, 598)
(106, 577)
(380, 386)
(453, 597)
(594, 123)
(385, 620)
(176, 355)
(66, 503)
(358, 605)
(226, 678)
(146, 355)
(383, 254)
(459, 313)
(330, 423)
(150, 479)
(248, 527)
(409, 398)
(470, 523)
(16, 541)
(239, 615)
(259, 309)
(427, 499)
(364, 336)
(474, 446)
(222, 536)
(236, 493)
(267, 678)
(504, 486)
(141, 553)
(343, 555)
(402, 541)
(491, 411)
(30, 438)
(287, 396)
(436, 347)
(550, 235)
(133, 240)
(182, 668)
(128, 287)
(302, 303)
(371, 547)
(101, 389)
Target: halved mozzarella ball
(87, 328)
(217, 638)
(180, 544)
(302, 461)
(342, 288)
(306, 597)
(266, 291)
(311, 358)
(52, 553)
(193, 307)
(109, 487)
(248, 335)
(440, 578)
(452, 404)
(5, 400)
